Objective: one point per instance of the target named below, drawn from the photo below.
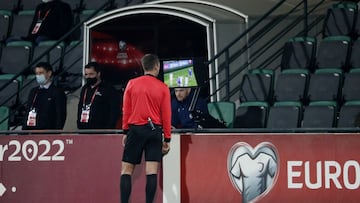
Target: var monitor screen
(179, 73)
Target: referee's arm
(166, 116)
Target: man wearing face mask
(99, 105)
(46, 106)
(52, 19)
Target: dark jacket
(180, 114)
(50, 107)
(57, 19)
(104, 110)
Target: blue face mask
(41, 80)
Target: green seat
(4, 117)
(251, 115)
(320, 114)
(284, 114)
(5, 22)
(15, 57)
(349, 115)
(299, 53)
(257, 85)
(53, 56)
(334, 52)
(9, 95)
(224, 111)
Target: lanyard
(92, 97)
(46, 14)
(33, 101)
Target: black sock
(125, 188)
(151, 183)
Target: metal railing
(230, 58)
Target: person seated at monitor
(181, 117)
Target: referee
(146, 115)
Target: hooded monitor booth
(171, 29)
(186, 72)
(192, 73)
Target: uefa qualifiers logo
(253, 171)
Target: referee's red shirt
(144, 97)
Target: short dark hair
(149, 61)
(45, 65)
(93, 65)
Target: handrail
(270, 59)
(226, 49)
(232, 43)
(229, 59)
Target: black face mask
(91, 81)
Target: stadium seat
(74, 4)
(5, 22)
(284, 115)
(299, 53)
(4, 117)
(28, 83)
(354, 61)
(325, 85)
(320, 114)
(357, 28)
(257, 85)
(9, 5)
(291, 85)
(351, 87)
(95, 4)
(340, 19)
(54, 56)
(24, 91)
(349, 115)
(251, 115)
(83, 16)
(29, 4)
(224, 111)
(123, 3)
(72, 66)
(334, 52)
(15, 57)
(20, 25)
(9, 94)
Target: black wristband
(167, 139)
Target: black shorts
(142, 138)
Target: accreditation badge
(85, 114)
(36, 27)
(31, 121)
